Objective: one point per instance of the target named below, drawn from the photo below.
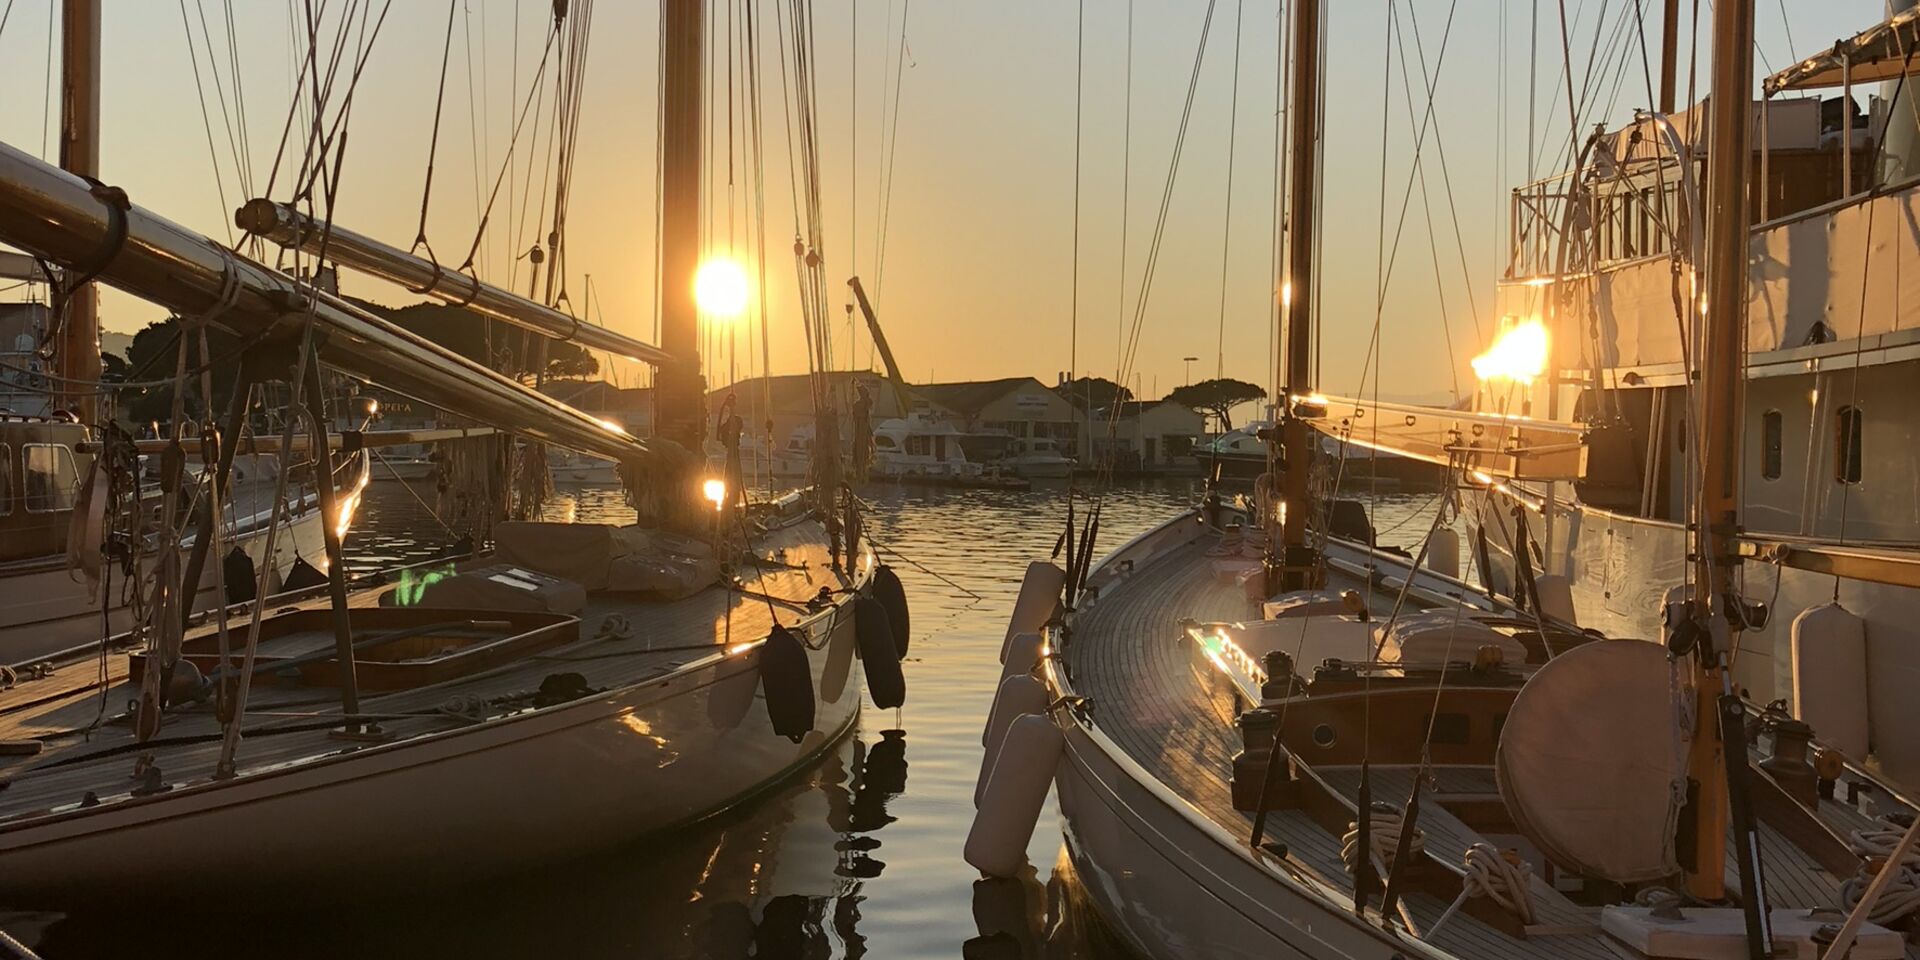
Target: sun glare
(1519, 354)
(720, 288)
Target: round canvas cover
(1592, 760)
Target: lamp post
(1189, 362)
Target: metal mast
(1669, 59)
(1295, 565)
(77, 352)
(679, 395)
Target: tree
(1093, 393)
(1217, 397)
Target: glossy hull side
(46, 610)
(543, 786)
(1172, 885)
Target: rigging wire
(1160, 225)
(1226, 219)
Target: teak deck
(1175, 721)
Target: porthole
(1323, 736)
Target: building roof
(969, 397)
(597, 395)
(793, 392)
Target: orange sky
(977, 278)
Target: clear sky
(979, 242)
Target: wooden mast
(1295, 564)
(1669, 54)
(77, 352)
(679, 391)
(1716, 514)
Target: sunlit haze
(969, 252)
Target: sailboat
(1268, 739)
(581, 685)
(46, 448)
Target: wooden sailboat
(45, 610)
(581, 686)
(1270, 741)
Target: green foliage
(1093, 393)
(1218, 397)
(153, 355)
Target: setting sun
(720, 288)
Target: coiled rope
(1901, 896)
(1384, 826)
(1490, 874)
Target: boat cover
(1592, 760)
(601, 556)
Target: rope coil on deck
(1902, 894)
(1384, 827)
(1900, 898)
(1490, 874)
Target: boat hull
(47, 610)
(542, 786)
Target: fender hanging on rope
(240, 575)
(893, 596)
(879, 655)
(787, 680)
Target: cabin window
(1772, 432)
(883, 441)
(6, 479)
(51, 477)
(1846, 448)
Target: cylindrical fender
(877, 653)
(1023, 651)
(1039, 597)
(1018, 695)
(786, 679)
(893, 595)
(1010, 807)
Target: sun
(720, 288)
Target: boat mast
(77, 352)
(679, 392)
(1296, 565)
(1716, 511)
(1669, 54)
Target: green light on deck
(413, 585)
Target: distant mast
(1295, 563)
(679, 399)
(77, 352)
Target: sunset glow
(720, 288)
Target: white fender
(1018, 695)
(1039, 598)
(1023, 651)
(1010, 807)
(1443, 552)
(1556, 596)
(1830, 677)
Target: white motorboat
(579, 469)
(1038, 458)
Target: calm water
(858, 857)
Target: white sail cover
(1592, 760)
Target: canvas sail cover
(1592, 760)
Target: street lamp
(1189, 362)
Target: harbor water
(859, 856)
